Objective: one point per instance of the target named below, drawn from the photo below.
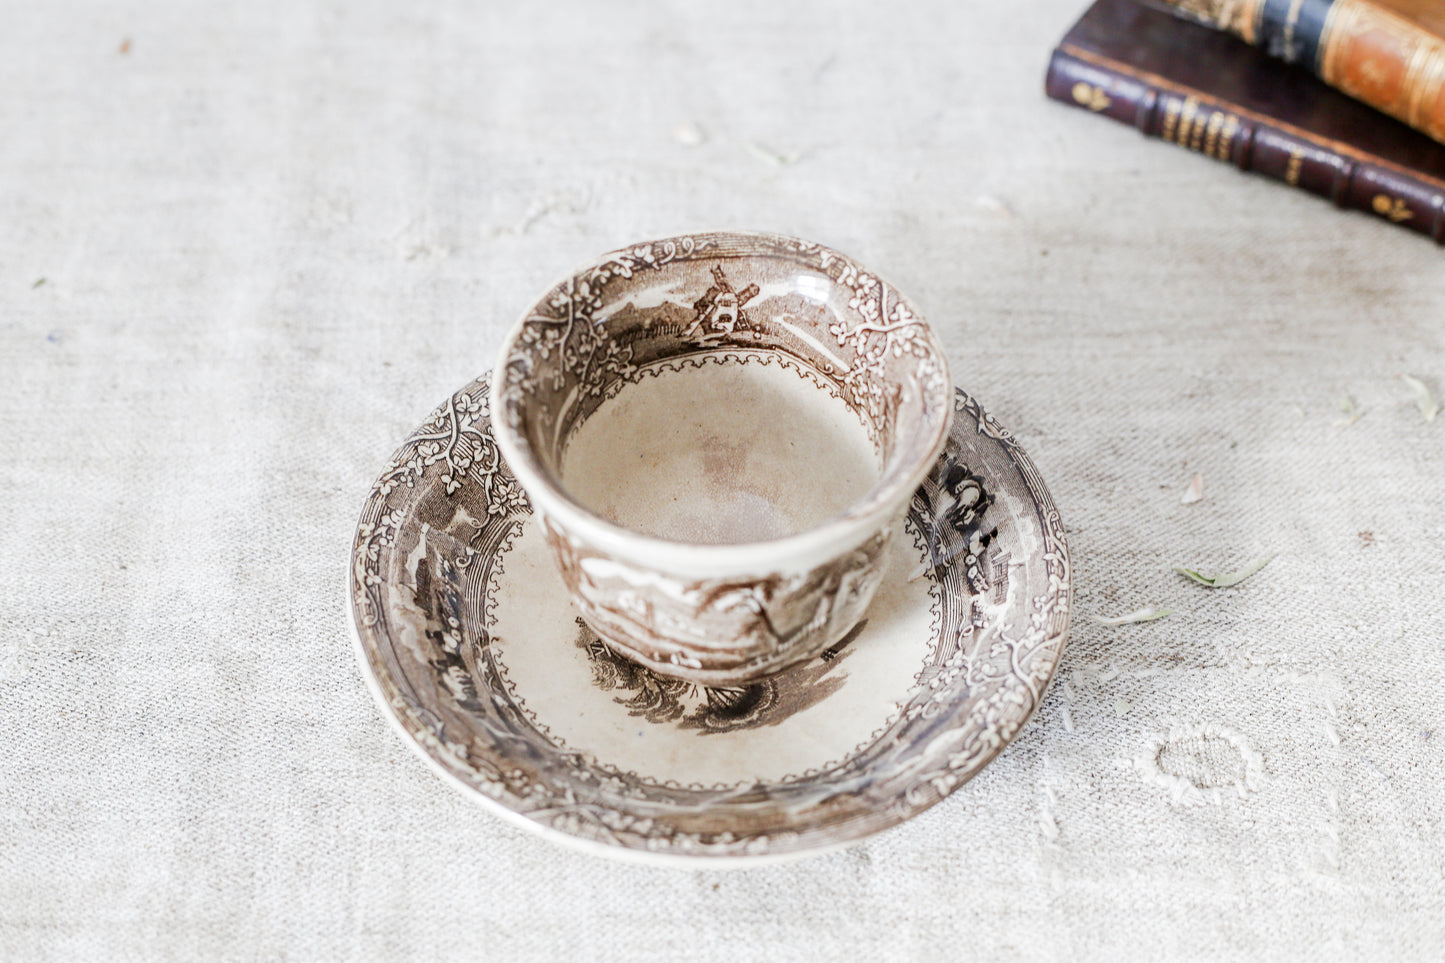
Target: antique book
(1214, 94)
(1388, 53)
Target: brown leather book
(1388, 53)
(1214, 94)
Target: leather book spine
(1375, 52)
(1250, 141)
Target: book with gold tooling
(1388, 53)
(1214, 94)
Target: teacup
(721, 433)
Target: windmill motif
(720, 309)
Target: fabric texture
(245, 248)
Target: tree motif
(586, 352)
(886, 330)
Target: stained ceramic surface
(722, 448)
(721, 432)
(472, 645)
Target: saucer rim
(579, 844)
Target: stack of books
(1344, 98)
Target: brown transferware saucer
(472, 647)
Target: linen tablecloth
(245, 248)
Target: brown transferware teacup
(721, 433)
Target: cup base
(720, 632)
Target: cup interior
(723, 389)
(721, 448)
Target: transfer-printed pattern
(428, 552)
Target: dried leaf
(1194, 493)
(1353, 412)
(38, 282)
(1424, 398)
(1229, 578)
(767, 155)
(1129, 618)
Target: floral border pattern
(563, 352)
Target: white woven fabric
(274, 234)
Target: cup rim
(807, 548)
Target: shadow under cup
(720, 433)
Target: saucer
(473, 648)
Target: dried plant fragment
(1122, 707)
(1194, 493)
(1227, 579)
(1352, 412)
(1130, 618)
(1424, 398)
(767, 155)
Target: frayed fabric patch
(1200, 764)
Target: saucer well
(473, 648)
